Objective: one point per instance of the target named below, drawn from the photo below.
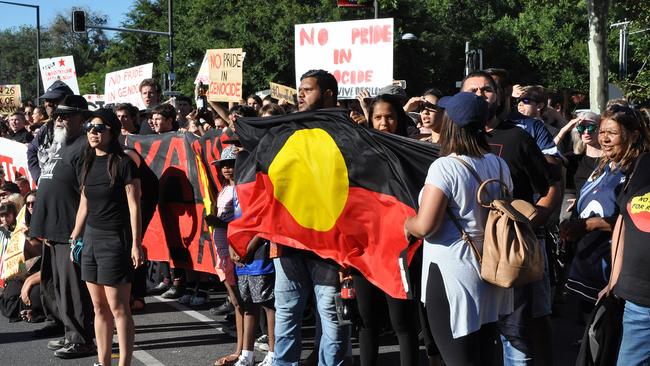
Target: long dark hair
(402, 118)
(115, 151)
(468, 140)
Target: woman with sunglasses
(625, 141)
(594, 213)
(109, 218)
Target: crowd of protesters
(583, 172)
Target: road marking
(141, 355)
(146, 358)
(191, 313)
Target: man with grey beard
(53, 219)
(38, 150)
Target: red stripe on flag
(368, 234)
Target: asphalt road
(168, 333)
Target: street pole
(622, 48)
(376, 4)
(170, 34)
(38, 41)
(38, 52)
(171, 76)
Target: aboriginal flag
(318, 181)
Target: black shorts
(257, 289)
(106, 257)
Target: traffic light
(79, 21)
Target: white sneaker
(267, 361)
(185, 299)
(242, 361)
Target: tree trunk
(597, 10)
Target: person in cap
(38, 151)
(225, 212)
(54, 216)
(462, 309)
(532, 177)
(109, 220)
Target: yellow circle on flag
(310, 179)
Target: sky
(15, 16)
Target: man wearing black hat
(37, 151)
(54, 218)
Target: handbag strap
(465, 236)
(503, 187)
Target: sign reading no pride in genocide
(59, 68)
(9, 98)
(123, 86)
(358, 53)
(225, 70)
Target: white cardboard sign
(59, 68)
(123, 86)
(358, 53)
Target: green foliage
(18, 63)
(541, 42)
(637, 84)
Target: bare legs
(112, 310)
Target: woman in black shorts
(109, 217)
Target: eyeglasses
(98, 128)
(29, 203)
(591, 128)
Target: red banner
(178, 233)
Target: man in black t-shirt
(528, 326)
(54, 218)
(17, 130)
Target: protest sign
(123, 86)
(13, 259)
(59, 68)
(13, 158)
(95, 101)
(358, 53)
(279, 91)
(203, 76)
(9, 98)
(225, 70)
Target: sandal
(227, 360)
(137, 304)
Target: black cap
(57, 90)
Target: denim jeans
(512, 356)
(290, 299)
(635, 345)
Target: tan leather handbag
(511, 255)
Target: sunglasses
(589, 128)
(29, 203)
(526, 101)
(429, 106)
(99, 128)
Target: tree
(637, 84)
(18, 64)
(597, 10)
